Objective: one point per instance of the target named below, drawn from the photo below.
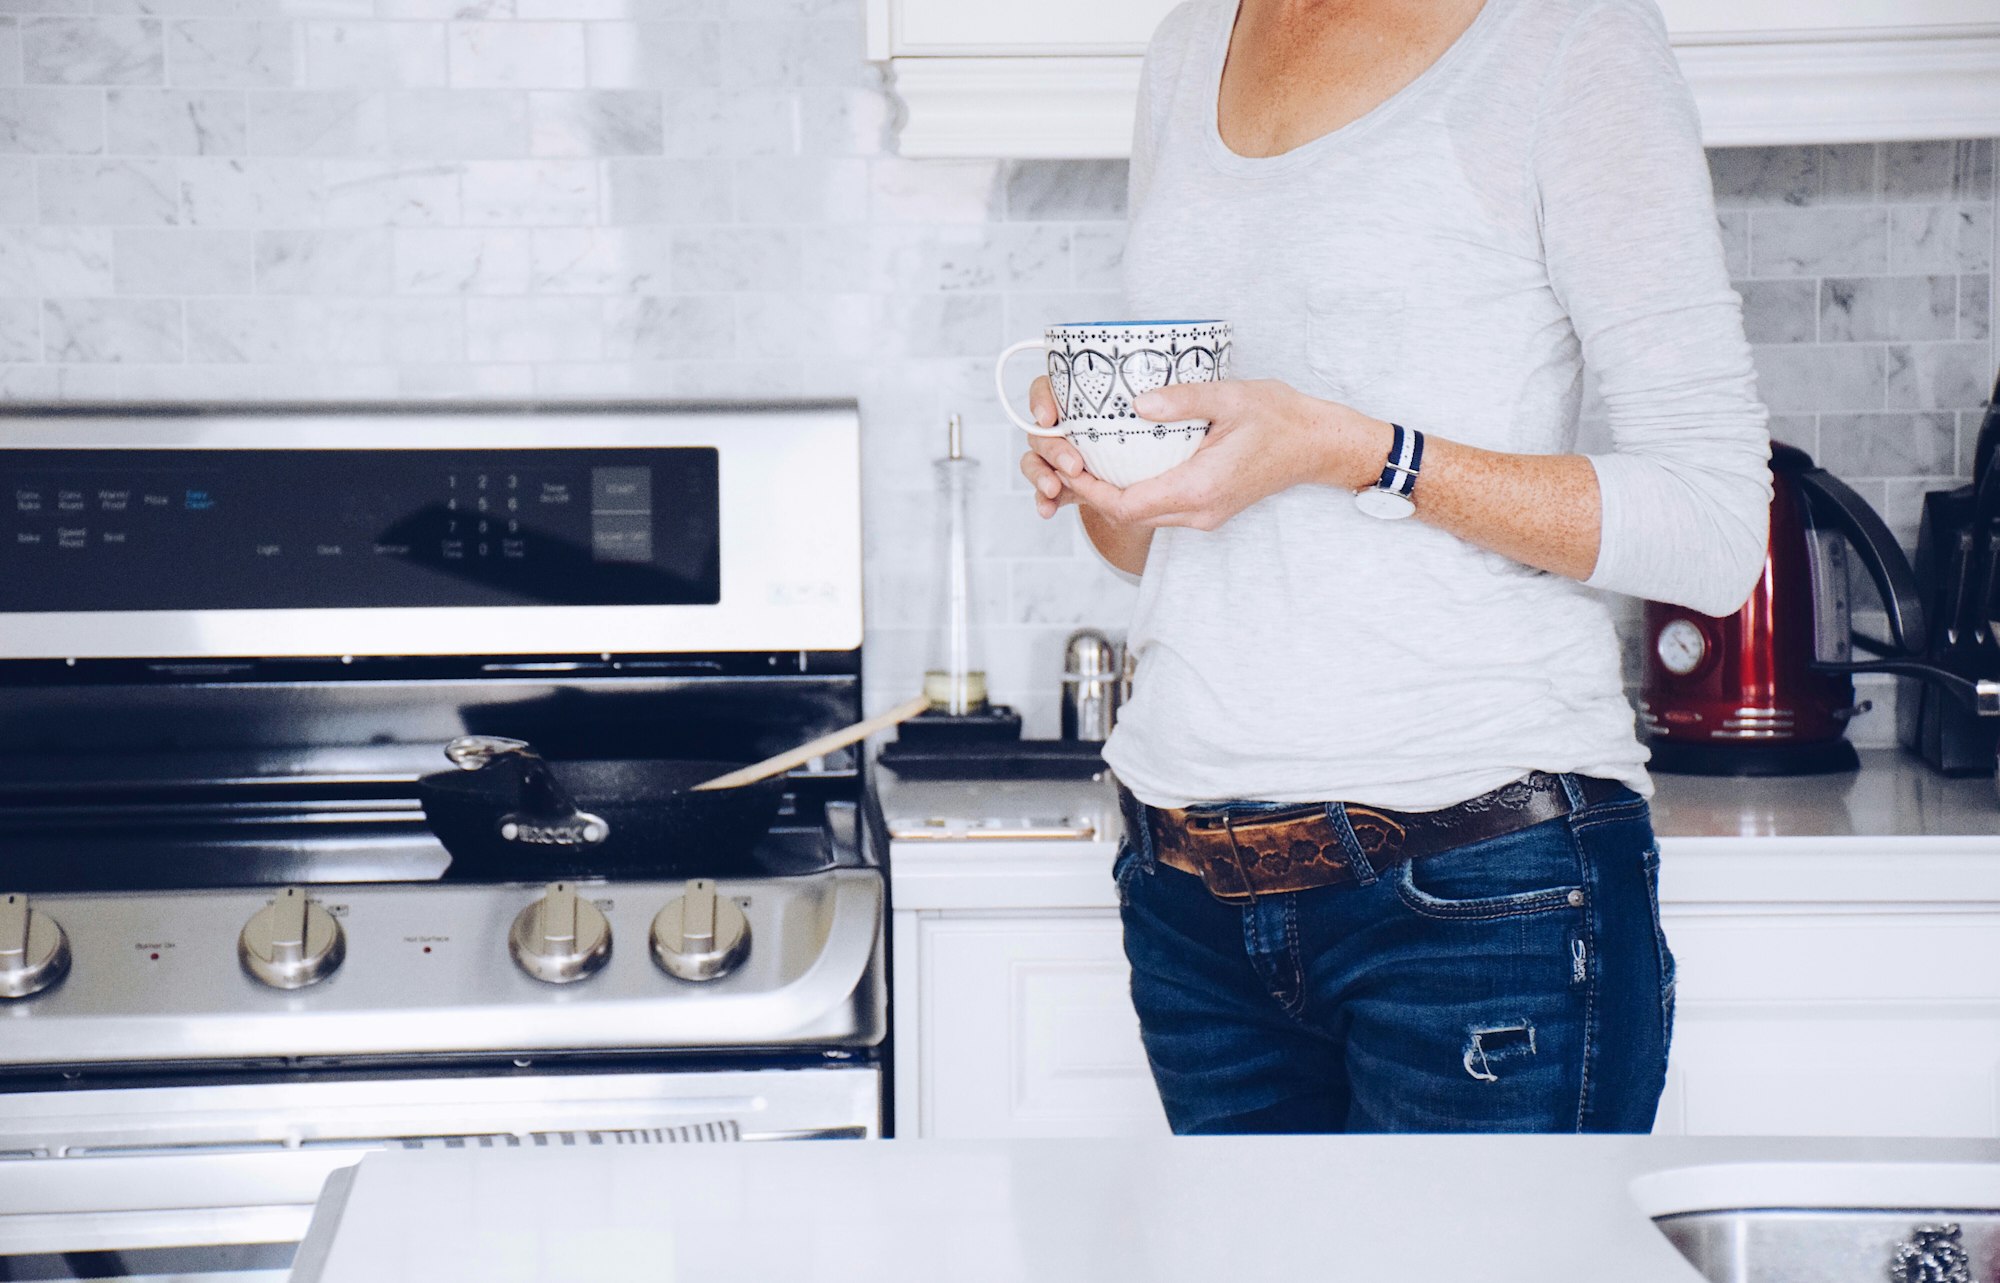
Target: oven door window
(214, 1263)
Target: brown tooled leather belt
(1298, 848)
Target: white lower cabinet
(1024, 1028)
(1854, 1020)
(1880, 1021)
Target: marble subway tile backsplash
(253, 199)
(253, 53)
(176, 122)
(10, 51)
(1866, 276)
(112, 331)
(92, 51)
(51, 121)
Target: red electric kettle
(1769, 690)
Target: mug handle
(1000, 382)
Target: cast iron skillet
(507, 815)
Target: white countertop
(1500, 1209)
(1893, 796)
(1894, 832)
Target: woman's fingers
(1042, 402)
(1176, 401)
(1050, 492)
(1057, 450)
(1196, 493)
(1041, 475)
(1060, 454)
(1096, 493)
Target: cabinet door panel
(1859, 1072)
(1855, 957)
(1028, 1030)
(1836, 1024)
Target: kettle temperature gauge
(1681, 647)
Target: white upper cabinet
(1057, 78)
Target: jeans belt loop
(1138, 819)
(1357, 859)
(1236, 855)
(1573, 790)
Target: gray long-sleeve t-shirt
(1538, 198)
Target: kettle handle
(1887, 565)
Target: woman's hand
(1051, 463)
(1054, 468)
(1264, 437)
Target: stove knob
(291, 942)
(700, 936)
(560, 938)
(34, 952)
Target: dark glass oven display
(97, 530)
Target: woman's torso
(1305, 651)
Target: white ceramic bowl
(1123, 452)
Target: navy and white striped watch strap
(1389, 498)
(1406, 456)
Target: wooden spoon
(806, 752)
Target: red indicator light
(156, 957)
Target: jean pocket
(1533, 870)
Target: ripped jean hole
(1497, 1044)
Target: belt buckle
(1211, 829)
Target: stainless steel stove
(231, 641)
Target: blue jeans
(1517, 984)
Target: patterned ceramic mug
(1097, 370)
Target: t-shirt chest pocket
(1354, 339)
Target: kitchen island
(1499, 1209)
(1838, 940)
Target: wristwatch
(1389, 498)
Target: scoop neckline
(1230, 160)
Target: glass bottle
(955, 681)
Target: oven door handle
(829, 987)
(844, 1131)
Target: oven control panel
(362, 531)
(105, 530)
(402, 968)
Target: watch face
(1384, 504)
(1681, 647)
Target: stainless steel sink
(1831, 1222)
(1788, 1245)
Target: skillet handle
(472, 752)
(549, 813)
